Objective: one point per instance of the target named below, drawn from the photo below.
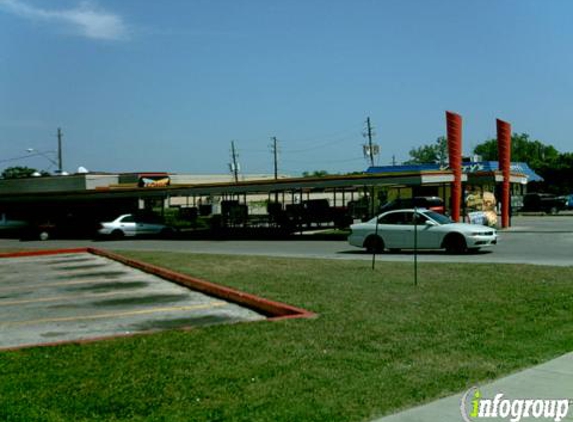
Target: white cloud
(85, 19)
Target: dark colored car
(543, 202)
(317, 211)
(60, 229)
(432, 203)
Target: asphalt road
(532, 240)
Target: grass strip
(379, 345)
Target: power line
(345, 160)
(336, 134)
(7, 160)
(319, 146)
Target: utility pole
(370, 149)
(274, 149)
(60, 136)
(369, 127)
(234, 166)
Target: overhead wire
(338, 137)
(7, 160)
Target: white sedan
(130, 225)
(401, 229)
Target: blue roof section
(403, 168)
(468, 167)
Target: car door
(426, 235)
(145, 226)
(149, 225)
(153, 227)
(141, 228)
(128, 226)
(410, 229)
(393, 230)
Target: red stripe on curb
(42, 252)
(274, 310)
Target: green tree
(434, 153)
(19, 172)
(557, 174)
(535, 153)
(555, 168)
(315, 173)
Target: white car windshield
(438, 218)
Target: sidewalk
(551, 380)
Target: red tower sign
(454, 129)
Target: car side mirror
(430, 223)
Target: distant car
(432, 203)
(129, 225)
(543, 202)
(396, 230)
(66, 227)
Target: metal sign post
(415, 246)
(374, 249)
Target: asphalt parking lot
(539, 240)
(79, 296)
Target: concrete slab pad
(81, 296)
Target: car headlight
(488, 233)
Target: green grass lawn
(379, 345)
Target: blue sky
(142, 85)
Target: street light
(51, 160)
(43, 154)
(47, 157)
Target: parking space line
(63, 283)
(64, 297)
(116, 314)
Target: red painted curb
(42, 252)
(273, 310)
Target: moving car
(433, 203)
(395, 230)
(133, 225)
